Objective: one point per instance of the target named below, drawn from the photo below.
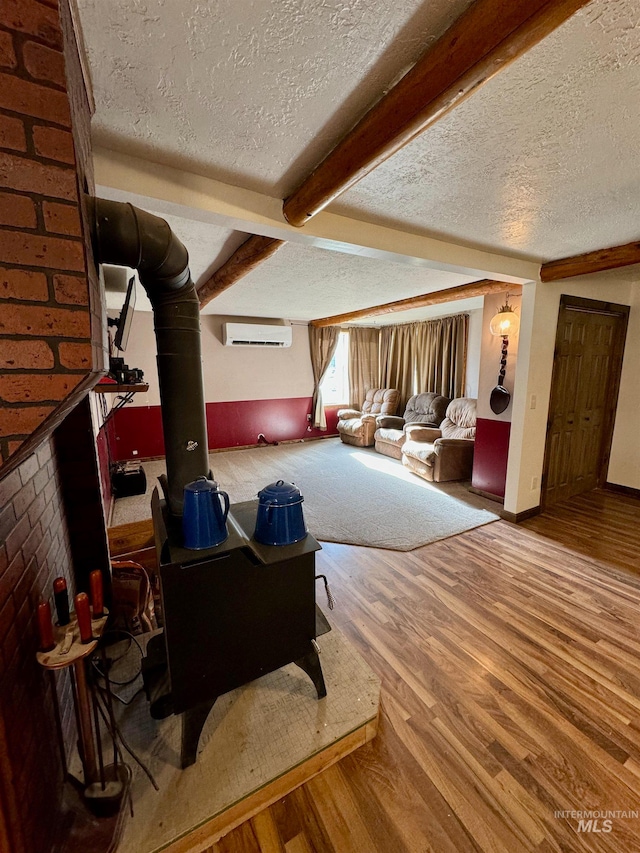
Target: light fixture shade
(505, 322)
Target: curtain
(399, 367)
(364, 371)
(322, 346)
(426, 356)
(441, 355)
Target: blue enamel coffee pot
(279, 520)
(204, 521)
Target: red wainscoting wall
(137, 431)
(490, 456)
(102, 447)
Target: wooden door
(584, 393)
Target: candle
(62, 600)
(45, 627)
(95, 581)
(83, 615)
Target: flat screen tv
(126, 315)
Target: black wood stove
(231, 614)
(237, 611)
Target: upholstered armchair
(427, 408)
(445, 453)
(357, 427)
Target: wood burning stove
(231, 614)
(237, 611)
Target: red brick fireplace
(52, 351)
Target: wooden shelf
(119, 389)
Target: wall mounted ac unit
(256, 335)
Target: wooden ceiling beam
(247, 257)
(489, 36)
(451, 294)
(598, 261)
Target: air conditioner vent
(256, 335)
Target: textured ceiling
(318, 283)
(540, 163)
(252, 92)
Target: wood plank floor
(510, 664)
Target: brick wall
(34, 549)
(52, 349)
(51, 311)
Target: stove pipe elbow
(124, 235)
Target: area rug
(352, 495)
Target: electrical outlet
(534, 483)
(134, 452)
(308, 417)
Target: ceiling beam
(451, 294)
(247, 257)
(598, 261)
(489, 36)
(174, 192)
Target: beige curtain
(399, 365)
(322, 345)
(426, 356)
(364, 370)
(441, 355)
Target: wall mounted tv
(126, 316)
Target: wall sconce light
(506, 322)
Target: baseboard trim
(240, 447)
(284, 441)
(488, 495)
(622, 490)
(517, 517)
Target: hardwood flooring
(510, 665)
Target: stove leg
(193, 722)
(310, 663)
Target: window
(335, 385)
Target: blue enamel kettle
(279, 520)
(204, 522)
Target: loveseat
(445, 453)
(358, 426)
(426, 408)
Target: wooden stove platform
(259, 743)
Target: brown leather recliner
(445, 453)
(426, 408)
(357, 427)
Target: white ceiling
(540, 163)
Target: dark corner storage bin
(128, 480)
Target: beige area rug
(352, 495)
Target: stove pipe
(124, 235)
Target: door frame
(592, 306)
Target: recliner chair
(445, 453)
(358, 427)
(426, 408)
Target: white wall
(539, 319)
(265, 373)
(230, 373)
(250, 373)
(491, 353)
(474, 349)
(624, 465)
